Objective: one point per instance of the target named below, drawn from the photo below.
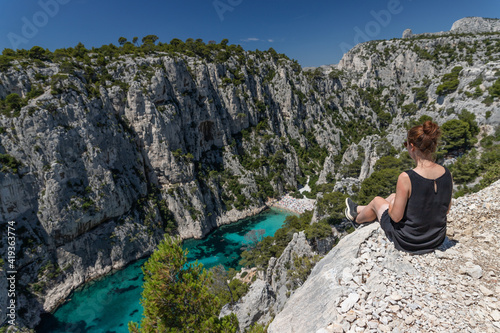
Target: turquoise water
(107, 305)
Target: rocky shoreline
(291, 204)
(60, 294)
(106, 259)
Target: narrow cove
(108, 304)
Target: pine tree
(122, 40)
(176, 296)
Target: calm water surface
(107, 305)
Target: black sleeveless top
(423, 226)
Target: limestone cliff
(476, 25)
(103, 150)
(269, 294)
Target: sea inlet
(108, 304)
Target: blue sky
(312, 32)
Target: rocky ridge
(466, 25)
(270, 292)
(365, 285)
(476, 25)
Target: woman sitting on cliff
(413, 218)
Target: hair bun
(430, 128)
(425, 137)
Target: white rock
(349, 302)
(472, 270)
(409, 320)
(495, 315)
(346, 275)
(485, 291)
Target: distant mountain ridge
(467, 25)
(476, 24)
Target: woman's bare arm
(403, 191)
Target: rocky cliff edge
(365, 284)
(476, 25)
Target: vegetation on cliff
(176, 296)
(247, 125)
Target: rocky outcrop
(476, 25)
(312, 305)
(267, 297)
(154, 147)
(407, 33)
(365, 284)
(466, 25)
(254, 307)
(279, 270)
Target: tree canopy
(176, 296)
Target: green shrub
(465, 169)
(469, 118)
(380, 183)
(449, 81)
(490, 156)
(421, 94)
(491, 175)
(353, 169)
(409, 109)
(456, 135)
(9, 163)
(34, 92)
(36, 52)
(388, 162)
(5, 62)
(476, 82)
(238, 288)
(318, 230)
(297, 195)
(11, 106)
(494, 90)
(176, 295)
(477, 92)
(332, 204)
(256, 328)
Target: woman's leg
(373, 211)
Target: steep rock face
(267, 297)
(314, 304)
(157, 143)
(254, 306)
(475, 25)
(407, 33)
(279, 269)
(93, 254)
